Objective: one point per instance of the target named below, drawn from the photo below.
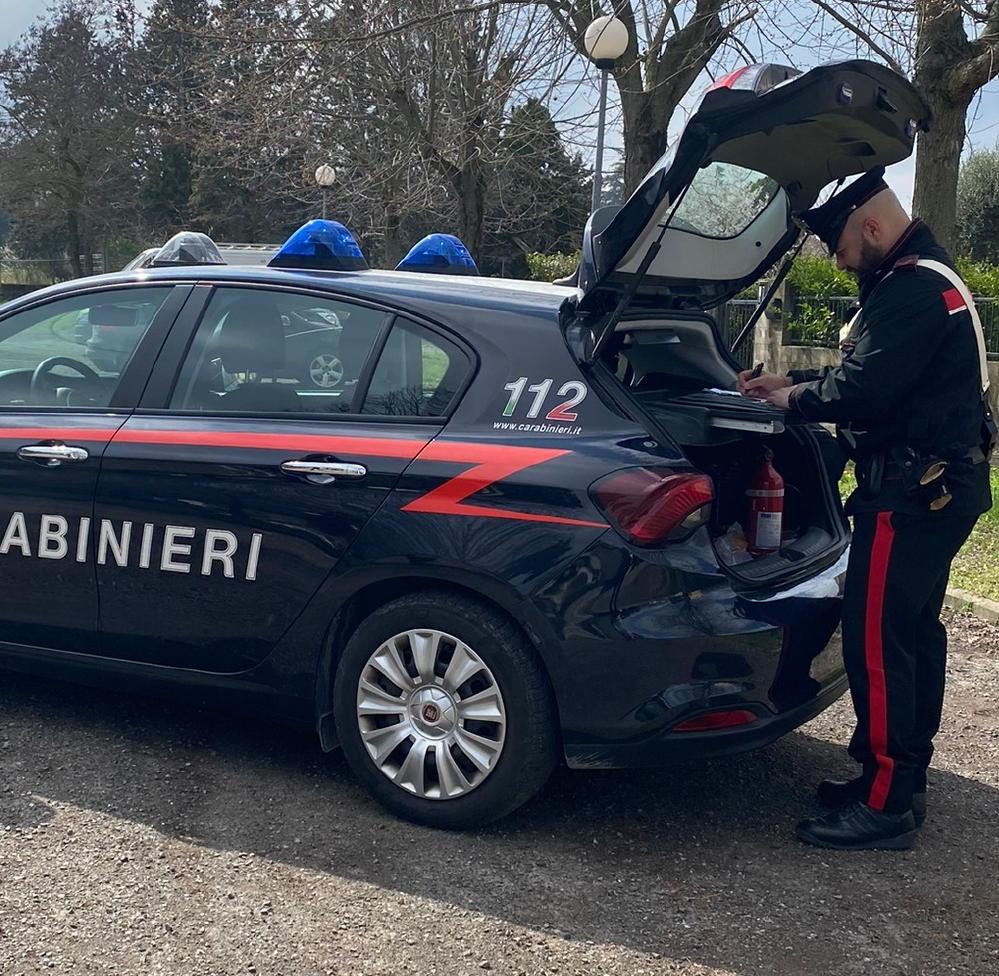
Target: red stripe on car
(492, 463)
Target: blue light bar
(320, 245)
(185, 249)
(439, 254)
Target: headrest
(113, 315)
(251, 337)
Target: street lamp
(605, 40)
(325, 177)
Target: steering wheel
(40, 390)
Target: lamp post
(325, 177)
(605, 40)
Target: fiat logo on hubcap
(431, 713)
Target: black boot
(856, 827)
(832, 793)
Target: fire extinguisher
(766, 507)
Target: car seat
(250, 340)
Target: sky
(17, 15)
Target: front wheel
(444, 711)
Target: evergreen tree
(67, 140)
(978, 207)
(541, 198)
(171, 55)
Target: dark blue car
(511, 534)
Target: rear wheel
(444, 711)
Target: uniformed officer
(910, 407)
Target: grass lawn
(976, 568)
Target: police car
(512, 535)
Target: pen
(757, 371)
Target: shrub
(812, 325)
(981, 277)
(815, 275)
(548, 267)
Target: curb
(979, 606)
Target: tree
(950, 70)
(540, 195)
(612, 185)
(663, 59)
(451, 78)
(952, 49)
(978, 207)
(66, 140)
(171, 51)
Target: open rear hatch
(760, 147)
(711, 217)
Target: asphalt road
(146, 837)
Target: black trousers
(895, 647)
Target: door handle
(324, 472)
(52, 455)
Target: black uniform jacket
(910, 378)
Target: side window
(418, 374)
(72, 352)
(274, 351)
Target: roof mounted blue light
(439, 254)
(320, 245)
(185, 249)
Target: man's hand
(781, 398)
(763, 385)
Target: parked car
(509, 536)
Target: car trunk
(676, 376)
(711, 217)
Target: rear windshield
(723, 200)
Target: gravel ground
(143, 837)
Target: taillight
(650, 506)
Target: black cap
(827, 222)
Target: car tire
(528, 747)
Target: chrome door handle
(324, 472)
(52, 454)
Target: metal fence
(813, 320)
(732, 318)
(988, 312)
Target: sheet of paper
(735, 393)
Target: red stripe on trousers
(877, 696)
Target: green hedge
(548, 267)
(981, 277)
(816, 275)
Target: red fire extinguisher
(766, 507)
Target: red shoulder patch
(954, 301)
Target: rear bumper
(667, 746)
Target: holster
(921, 476)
